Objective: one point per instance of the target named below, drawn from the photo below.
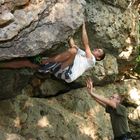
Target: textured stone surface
(49, 119)
(74, 115)
(119, 3)
(37, 27)
(6, 17)
(107, 22)
(12, 82)
(40, 24)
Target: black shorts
(55, 69)
(64, 75)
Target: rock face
(12, 82)
(74, 115)
(38, 26)
(32, 27)
(66, 117)
(31, 108)
(6, 17)
(107, 22)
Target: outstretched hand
(89, 84)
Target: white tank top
(80, 65)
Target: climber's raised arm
(85, 41)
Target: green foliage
(137, 68)
(138, 57)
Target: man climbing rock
(72, 63)
(68, 65)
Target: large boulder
(74, 115)
(110, 26)
(68, 117)
(12, 82)
(38, 26)
(31, 27)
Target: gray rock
(74, 115)
(6, 17)
(12, 82)
(20, 2)
(107, 22)
(1, 1)
(119, 3)
(37, 28)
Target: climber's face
(98, 53)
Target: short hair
(102, 56)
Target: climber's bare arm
(85, 41)
(71, 42)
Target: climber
(68, 65)
(72, 63)
(116, 110)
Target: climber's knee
(73, 50)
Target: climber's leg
(21, 63)
(69, 61)
(45, 68)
